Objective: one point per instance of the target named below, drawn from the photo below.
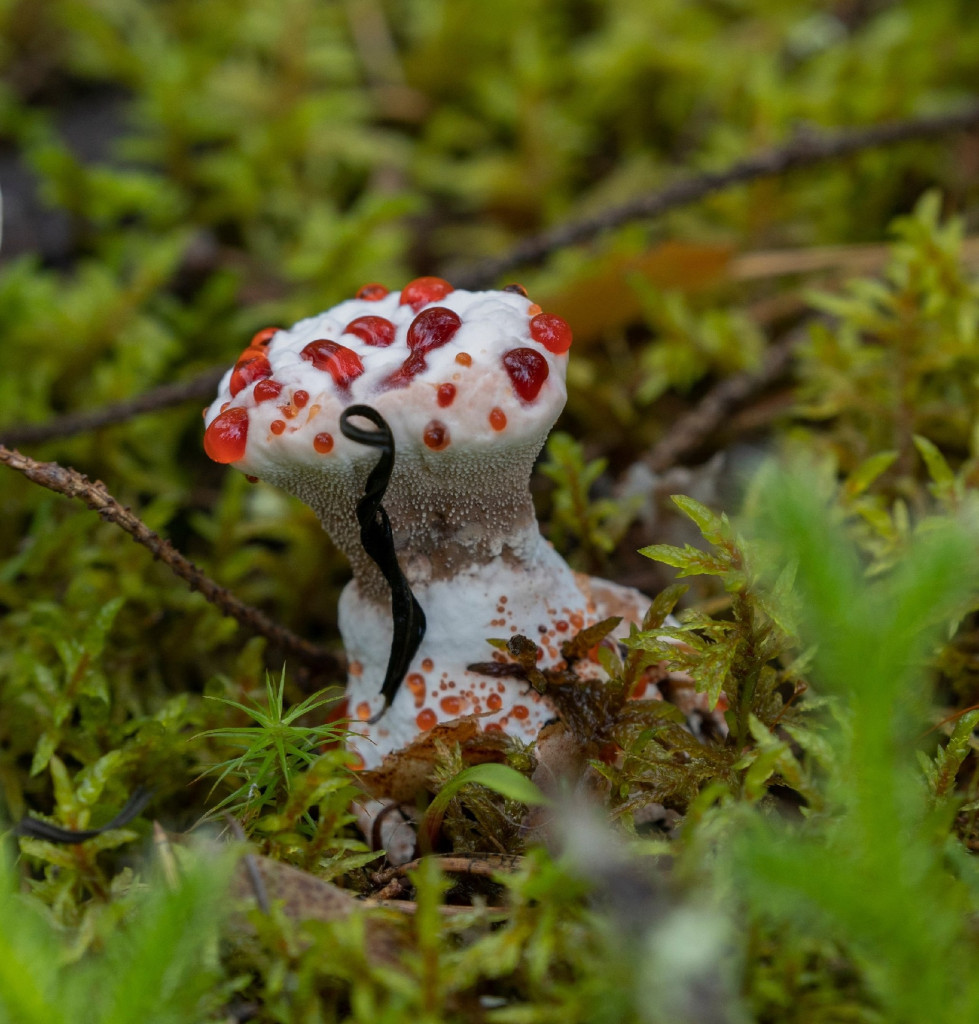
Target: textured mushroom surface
(470, 384)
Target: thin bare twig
(201, 386)
(694, 427)
(73, 484)
(804, 150)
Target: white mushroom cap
(469, 383)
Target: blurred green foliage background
(177, 174)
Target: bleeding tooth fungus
(469, 384)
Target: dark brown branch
(73, 484)
(804, 150)
(693, 428)
(201, 386)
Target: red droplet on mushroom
(494, 702)
(363, 711)
(373, 330)
(497, 418)
(424, 290)
(277, 426)
(464, 359)
(372, 292)
(451, 705)
(436, 436)
(445, 395)
(552, 332)
(520, 711)
(226, 437)
(533, 309)
(427, 666)
(266, 390)
(405, 373)
(340, 362)
(261, 338)
(518, 288)
(432, 328)
(252, 366)
(527, 369)
(300, 398)
(425, 719)
(323, 443)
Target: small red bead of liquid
(445, 395)
(405, 373)
(497, 418)
(520, 711)
(226, 437)
(424, 290)
(373, 330)
(464, 359)
(425, 719)
(263, 337)
(436, 435)
(494, 702)
(323, 443)
(340, 362)
(432, 328)
(266, 390)
(527, 370)
(552, 332)
(252, 366)
(372, 292)
(277, 426)
(451, 705)
(300, 398)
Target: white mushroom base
(540, 597)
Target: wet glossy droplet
(552, 332)
(464, 359)
(372, 330)
(445, 395)
(451, 705)
(267, 390)
(277, 426)
(300, 398)
(424, 290)
(497, 418)
(227, 436)
(261, 338)
(527, 370)
(340, 362)
(425, 719)
(436, 436)
(252, 366)
(323, 443)
(432, 328)
(372, 292)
